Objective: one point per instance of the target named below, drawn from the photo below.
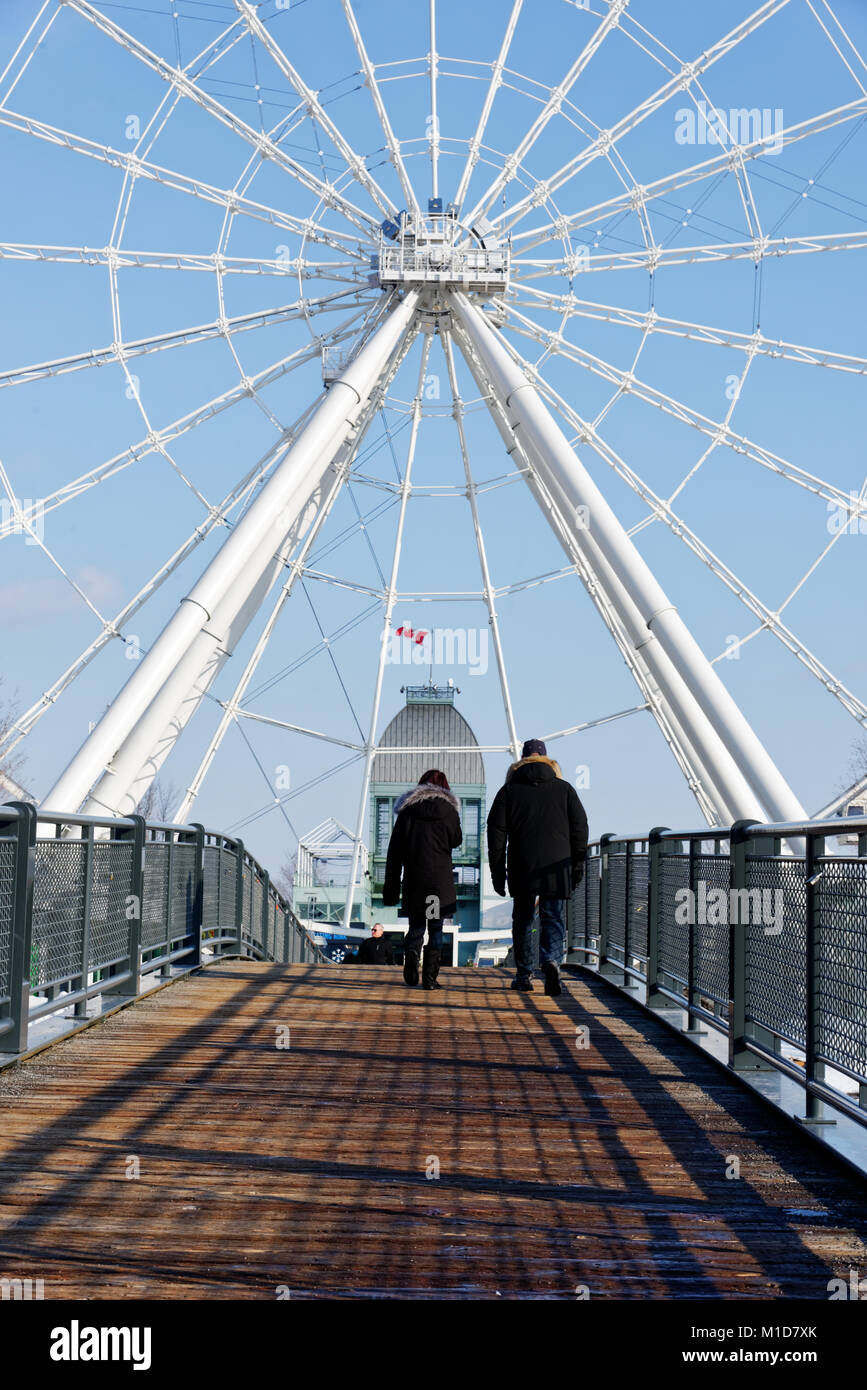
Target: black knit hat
(534, 745)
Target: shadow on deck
(178, 1150)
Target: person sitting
(376, 948)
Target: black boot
(552, 978)
(430, 968)
(410, 966)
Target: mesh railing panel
(593, 883)
(775, 994)
(211, 886)
(673, 934)
(183, 891)
(711, 939)
(616, 900)
(639, 878)
(841, 963)
(7, 909)
(246, 897)
(155, 904)
(228, 888)
(110, 886)
(58, 912)
(576, 915)
(256, 892)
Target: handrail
(759, 945)
(93, 913)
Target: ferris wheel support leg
(731, 750)
(228, 588)
(649, 665)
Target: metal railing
(767, 947)
(91, 906)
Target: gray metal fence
(91, 906)
(755, 930)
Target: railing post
(604, 841)
(628, 982)
(266, 886)
(133, 906)
(656, 848)
(239, 897)
(741, 847)
(693, 1027)
(14, 1039)
(198, 839)
(813, 1070)
(80, 1009)
(287, 927)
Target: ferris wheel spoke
(392, 144)
(188, 87)
(23, 55)
(596, 723)
(834, 44)
(170, 178)
(685, 178)
(315, 107)
(214, 406)
(493, 87)
(761, 248)
(717, 431)
(209, 262)
(21, 521)
(650, 321)
(488, 588)
(181, 337)
(113, 628)
(770, 619)
(681, 81)
(549, 110)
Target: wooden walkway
(176, 1151)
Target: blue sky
(563, 667)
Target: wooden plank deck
(304, 1168)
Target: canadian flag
(411, 635)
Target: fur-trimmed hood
(530, 761)
(425, 792)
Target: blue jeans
(415, 935)
(552, 936)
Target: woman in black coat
(427, 829)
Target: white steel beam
(740, 764)
(126, 734)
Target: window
(383, 824)
(470, 826)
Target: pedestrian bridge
(236, 1118)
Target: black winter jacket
(427, 829)
(537, 831)
(375, 952)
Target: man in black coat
(537, 840)
(374, 949)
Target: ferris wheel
(593, 230)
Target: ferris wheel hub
(436, 251)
